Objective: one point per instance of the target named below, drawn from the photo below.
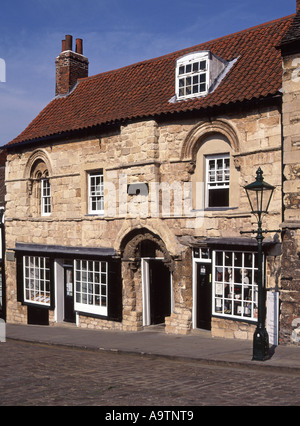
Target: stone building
(2, 237)
(125, 196)
(290, 263)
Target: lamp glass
(259, 199)
(259, 194)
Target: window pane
(219, 258)
(219, 198)
(202, 78)
(202, 87)
(228, 258)
(203, 65)
(248, 258)
(196, 67)
(219, 274)
(238, 259)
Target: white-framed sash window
(96, 192)
(91, 286)
(45, 197)
(36, 278)
(235, 291)
(192, 78)
(217, 180)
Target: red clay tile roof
(144, 89)
(293, 34)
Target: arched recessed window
(42, 189)
(215, 180)
(45, 196)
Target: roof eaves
(192, 109)
(59, 135)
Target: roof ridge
(161, 57)
(255, 27)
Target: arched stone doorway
(147, 280)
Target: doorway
(69, 313)
(157, 294)
(203, 295)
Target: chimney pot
(69, 42)
(70, 66)
(79, 46)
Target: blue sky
(115, 33)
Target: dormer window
(197, 74)
(192, 77)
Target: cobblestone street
(40, 375)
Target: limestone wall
(145, 152)
(290, 294)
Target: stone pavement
(198, 346)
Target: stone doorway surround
(142, 243)
(135, 246)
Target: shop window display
(235, 284)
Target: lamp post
(259, 195)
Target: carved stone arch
(131, 247)
(156, 227)
(39, 157)
(199, 133)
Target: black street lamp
(259, 195)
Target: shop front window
(91, 281)
(36, 280)
(235, 290)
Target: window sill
(221, 212)
(95, 214)
(238, 319)
(37, 304)
(222, 209)
(214, 209)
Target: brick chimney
(298, 5)
(70, 66)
